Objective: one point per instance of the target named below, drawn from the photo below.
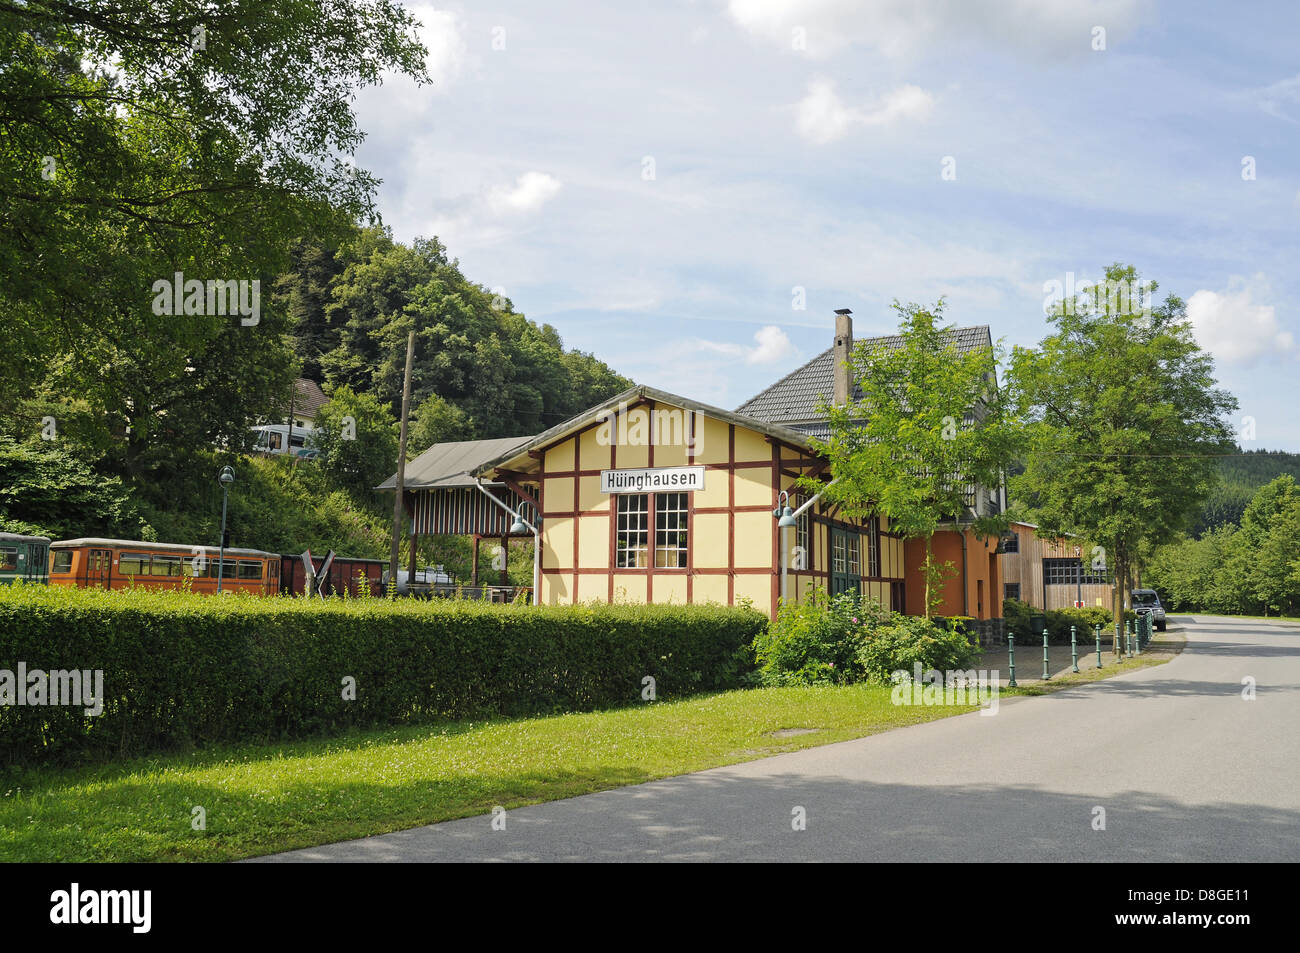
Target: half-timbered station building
(655, 497)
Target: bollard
(1137, 643)
(1097, 631)
(1046, 674)
(1011, 659)
(1128, 638)
(1074, 650)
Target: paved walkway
(1184, 768)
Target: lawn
(262, 799)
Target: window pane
(631, 543)
(8, 559)
(62, 561)
(1063, 572)
(133, 564)
(250, 569)
(166, 566)
(670, 531)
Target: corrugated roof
(794, 398)
(452, 464)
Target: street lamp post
(225, 477)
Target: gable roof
(793, 399)
(452, 464)
(630, 396)
(307, 397)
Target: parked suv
(1146, 601)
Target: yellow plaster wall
(670, 589)
(757, 587)
(557, 544)
(593, 542)
(709, 588)
(754, 539)
(629, 587)
(710, 541)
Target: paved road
(1185, 768)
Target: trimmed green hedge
(1017, 615)
(184, 671)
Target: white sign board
(652, 480)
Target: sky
(688, 190)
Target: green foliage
(904, 642)
(849, 639)
(46, 491)
(1240, 477)
(1125, 418)
(146, 137)
(480, 370)
(1254, 568)
(182, 670)
(437, 421)
(815, 641)
(1017, 615)
(357, 438)
(928, 422)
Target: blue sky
(656, 181)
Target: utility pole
(401, 464)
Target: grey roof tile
(794, 398)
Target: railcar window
(250, 569)
(62, 561)
(133, 564)
(166, 565)
(8, 559)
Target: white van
(275, 438)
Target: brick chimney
(840, 354)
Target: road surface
(1184, 767)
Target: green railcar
(24, 557)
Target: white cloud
(771, 346)
(896, 28)
(530, 192)
(440, 32)
(1236, 328)
(822, 117)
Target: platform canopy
(442, 494)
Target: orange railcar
(121, 564)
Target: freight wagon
(345, 575)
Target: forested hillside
(1239, 477)
(481, 368)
